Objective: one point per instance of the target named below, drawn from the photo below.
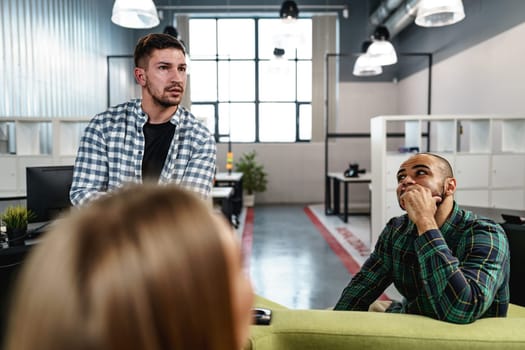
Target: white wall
(361, 101)
(484, 79)
(413, 93)
(295, 171)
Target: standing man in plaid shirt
(151, 139)
(447, 263)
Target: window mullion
(257, 60)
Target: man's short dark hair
(446, 168)
(147, 44)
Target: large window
(246, 92)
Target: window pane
(236, 38)
(237, 119)
(304, 39)
(237, 81)
(290, 36)
(203, 81)
(202, 38)
(277, 122)
(277, 80)
(272, 34)
(281, 84)
(205, 113)
(304, 81)
(305, 122)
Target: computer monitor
(48, 191)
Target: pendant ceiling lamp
(135, 14)
(381, 49)
(438, 13)
(365, 65)
(289, 10)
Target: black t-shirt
(158, 139)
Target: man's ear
(140, 76)
(450, 185)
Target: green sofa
(334, 330)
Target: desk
(223, 197)
(221, 192)
(233, 180)
(333, 195)
(11, 259)
(228, 177)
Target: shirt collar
(454, 220)
(143, 117)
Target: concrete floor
(291, 263)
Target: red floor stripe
(247, 238)
(351, 265)
(348, 261)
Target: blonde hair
(144, 268)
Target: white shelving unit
(27, 141)
(487, 154)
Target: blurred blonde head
(145, 268)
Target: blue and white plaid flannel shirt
(112, 147)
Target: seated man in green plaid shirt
(447, 263)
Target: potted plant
(15, 219)
(254, 177)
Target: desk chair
(516, 236)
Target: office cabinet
(8, 175)
(473, 198)
(487, 154)
(392, 205)
(508, 171)
(508, 199)
(27, 141)
(472, 171)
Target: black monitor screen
(48, 191)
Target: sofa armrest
(326, 329)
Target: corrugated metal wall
(53, 56)
(122, 84)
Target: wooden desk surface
(366, 177)
(221, 192)
(493, 213)
(224, 176)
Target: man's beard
(166, 103)
(442, 195)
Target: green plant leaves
(17, 216)
(254, 177)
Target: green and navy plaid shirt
(456, 274)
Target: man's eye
(421, 172)
(182, 69)
(400, 178)
(163, 67)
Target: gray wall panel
(53, 59)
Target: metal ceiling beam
(246, 7)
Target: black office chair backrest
(516, 237)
